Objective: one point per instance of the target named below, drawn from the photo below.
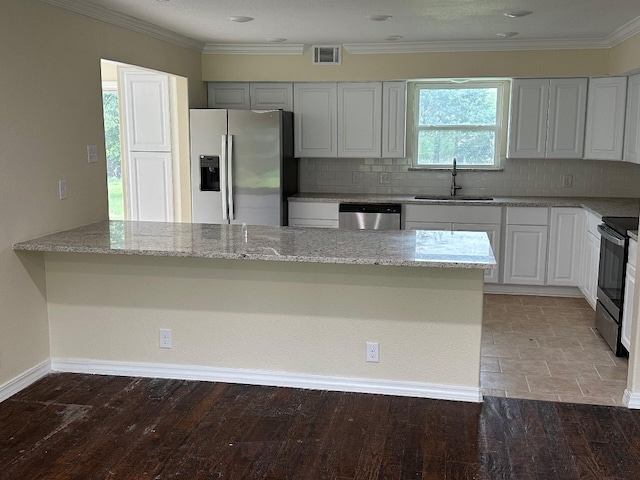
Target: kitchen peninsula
(269, 305)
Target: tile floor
(547, 348)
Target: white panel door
(567, 114)
(493, 232)
(627, 306)
(359, 119)
(150, 181)
(528, 120)
(605, 118)
(315, 109)
(565, 246)
(525, 254)
(147, 166)
(632, 125)
(146, 105)
(394, 115)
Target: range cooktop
(621, 224)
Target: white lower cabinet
(459, 218)
(525, 256)
(565, 246)
(590, 258)
(629, 294)
(313, 214)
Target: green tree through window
(111, 116)
(458, 120)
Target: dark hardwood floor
(69, 426)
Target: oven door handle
(611, 236)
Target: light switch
(92, 153)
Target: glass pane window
(461, 121)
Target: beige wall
(625, 57)
(269, 316)
(361, 67)
(51, 110)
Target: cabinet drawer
(453, 214)
(326, 211)
(633, 252)
(313, 223)
(527, 216)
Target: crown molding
(253, 49)
(101, 13)
(475, 46)
(626, 31)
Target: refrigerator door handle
(223, 177)
(230, 174)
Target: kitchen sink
(456, 198)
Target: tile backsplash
(519, 177)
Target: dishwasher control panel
(369, 216)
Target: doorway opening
(146, 130)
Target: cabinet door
(525, 254)
(589, 272)
(394, 115)
(565, 245)
(528, 120)
(359, 119)
(627, 306)
(493, 232)
(632, 125)
(313, 210)
(605, 118)
(567, 114)
(228, 95)
(315, 117)
(271, 96)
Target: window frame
(500, 128)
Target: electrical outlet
(372, 352)
(165, 338)
(385, 178)
(92, 153)
(62, 189)
(567, 181)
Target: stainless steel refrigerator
(242, 166)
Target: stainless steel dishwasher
(372, 216)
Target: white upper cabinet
(359, 119)
(632, 125)
(567, 114)
(271, 96)
(547, 118)
(228, 95)
(251, 96)
(315, 110)
(605, 118)
(565, 246)
(528, 122)
(394, 117)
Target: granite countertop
(633, 234)
(289, 244)
(622, 207)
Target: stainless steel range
(614, 248)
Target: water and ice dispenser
(209, 173)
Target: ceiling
(335, 22)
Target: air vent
(327, 55)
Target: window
(458, 120)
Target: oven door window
(611, 271)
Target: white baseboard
(275, 379)
(631, 400)
(24, 380)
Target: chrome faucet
(454, 173)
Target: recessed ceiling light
(379, 18)
(518, 13)
(394, 38)
(507, 34)
(276, 39)
(240, 19)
